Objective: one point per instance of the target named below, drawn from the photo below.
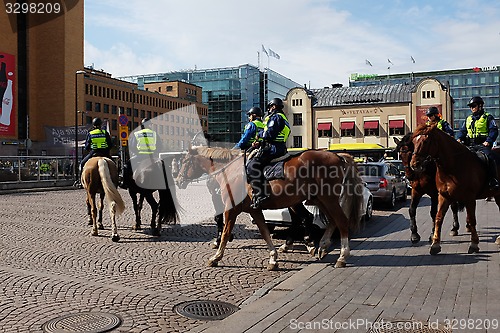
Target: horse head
(192, 167)
(425, 146)
(404, 148)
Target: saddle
(276, 167)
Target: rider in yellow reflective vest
(276, 132)
(433, 116)
(252, 129)
(480, 131)
(98, 143)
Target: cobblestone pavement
(51, 266)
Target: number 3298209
(33, 8)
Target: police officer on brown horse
(480, 131)
(274, 136)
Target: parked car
(281, 217)
(384, 180)
(401, 167)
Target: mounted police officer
(252, 129)
(274, 136)
(144, 144)
(98, 143)
(480, 131)
(433, 116)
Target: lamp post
(76, 123)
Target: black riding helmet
(275, 101)
(432, 111)
(256, 111)
(144, 122)
(476, 100)
(96, 122)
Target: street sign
(123, 120)
(124, 135)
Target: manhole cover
(205, 310)
(84, 322)
(406, 326)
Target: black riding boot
(257, 193)
(493, 175)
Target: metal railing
(18, 169)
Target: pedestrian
(97, 143)
(479, 131)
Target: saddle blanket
(275, 171)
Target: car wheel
(369, 210)
(392, 202)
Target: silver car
(384, 180)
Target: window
(347, 129)
(114, 109)
(324, 130)
(371, 128)
(114, 124)
(297, 142)
(129, 112)
(105, 108)
(169, 88)
(428, 94)
(296, 102)
(88, 106)
(297, 119)
(97, 107)
(397, 127)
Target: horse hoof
(467, 229)
(214, 244)
(90, 222)
(115, 238)
(322, 253)
(415, 239)
(311, 250)
(340, 264)
(136, 227)
(497, 242)
(101, 227)
(156, 232)
(474, 248)
(94, 233)
(283, 248)
(272, 267)
(435, 250)
(454, 233)
(213, 263)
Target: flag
(389, 61)
(274, 54)
(264, 50)
(412, 60)
(368, 63)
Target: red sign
(8, 112)
(422, 110)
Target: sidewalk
(387, 282)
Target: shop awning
(324, 126)
(371, 124)
(347, 125)
(400, 123)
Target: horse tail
(352, 194)
(112, 195)
(167, 209)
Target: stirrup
(257, 201)
(493, 184)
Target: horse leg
(114, 228)
(155, 230)
(292, 231)
(433, 212)
(415, 199)
(342, 223)
(258, 218)
(456, 223)
(137, 211)
(219, 220)
(101, 207)
(471, 221)
(91, 198)
(438, 223)
(89, 211)
(230, 219)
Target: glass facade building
(229, 93)
(463, 84)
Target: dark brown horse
(100, 176)
(162, 211)
(329, 181)
(460, 176)
(422, 183)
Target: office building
(229, 93)
(463, 84)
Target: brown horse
(460, 176)
(422, 183)
(100, 176)
(329, 181)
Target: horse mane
(217, 153)
(423, 129)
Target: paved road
(50, 265)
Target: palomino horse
(162, 211)
(100, 175)
(422, 183)
(460, 177)
(329, 181)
